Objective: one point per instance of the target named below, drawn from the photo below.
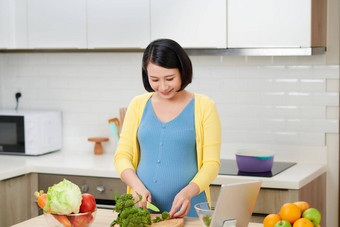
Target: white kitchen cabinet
(13, 26)
(90, 24)
(276, 23)
(56, 24)
(4, 23)
(192, 23)
(118, 23)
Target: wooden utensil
(98, 148)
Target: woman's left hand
(182, 200)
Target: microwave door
(12, 136)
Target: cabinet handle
(100, 188)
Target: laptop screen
(235, 202)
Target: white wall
(278, 101)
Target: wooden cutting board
(174, 222)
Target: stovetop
(229, 167)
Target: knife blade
(152, 207)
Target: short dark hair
(169, 54)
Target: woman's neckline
(166, 108)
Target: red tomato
(88, 203)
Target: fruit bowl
(73, 220)
(204, 213)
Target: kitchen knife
(152, 207)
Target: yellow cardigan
(208, 140)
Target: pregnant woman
(169, 147)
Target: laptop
(235, 204)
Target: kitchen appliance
(254, 161)
(30, 132)
(229, 167)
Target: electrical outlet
(17, 96)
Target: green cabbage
(63, 198)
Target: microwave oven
(30, 132)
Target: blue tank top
(168, 159)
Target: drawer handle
(100, 188)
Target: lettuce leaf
(63, 198)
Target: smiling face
(165, 82)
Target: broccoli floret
(165, 215)
(157, 219)
(207, 220)
(124, 201)
(129, 215)
(133, 216)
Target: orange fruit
(270, 220)
(303, 222)
(303, 205)
(290, 212)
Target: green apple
(313, 215)
(282, 223)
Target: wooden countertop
(105, 217)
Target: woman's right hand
(146, 196)
(130, 177)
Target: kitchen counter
(88, 164)
(105, 217)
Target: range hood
(193, 51)
(259, 51)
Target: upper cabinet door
(56, 24)
(118, 23)
(192, 23)
(13, 24)
(4, 24)
(275, 23)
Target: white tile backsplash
(313, 85)
(328, 99)
(291, 101)
(312, 112)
